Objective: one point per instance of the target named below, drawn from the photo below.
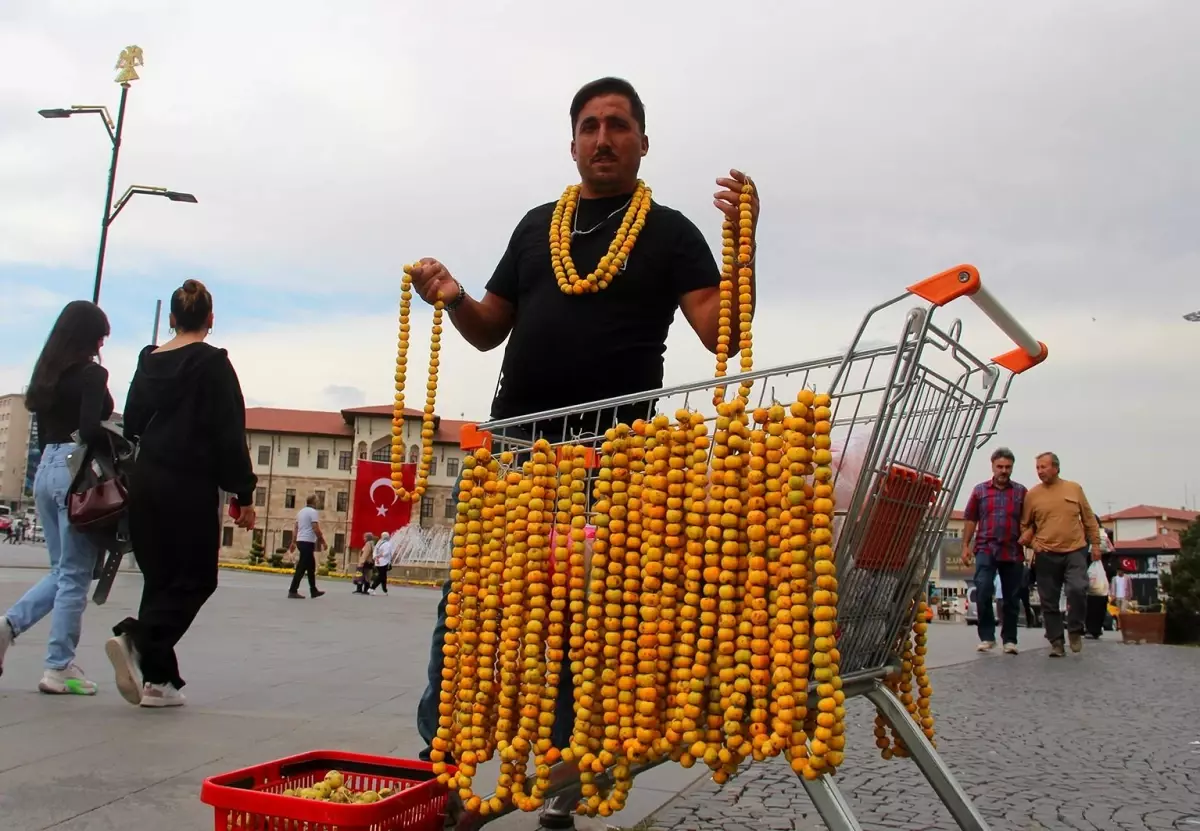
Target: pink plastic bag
(589, 532)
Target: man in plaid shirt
(990, 534)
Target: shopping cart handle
(963, 280)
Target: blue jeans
(1011, 576)
(63, 591)
(427, 708)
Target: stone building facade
(14, 449)
(297, 453)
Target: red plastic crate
(251, 799)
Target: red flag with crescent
(377, 509)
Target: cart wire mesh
(906, 419)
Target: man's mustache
(601, 157)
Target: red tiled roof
(337, 424)
(302, 422)
(957, 514)
(1161, 542)
(1153, 512)
(379, 410)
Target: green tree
(1181, 584)
(331, 563)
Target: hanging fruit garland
(427, 417)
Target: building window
(414, 453)
(260, 497)
(322, 460)
(287, 539)
(264, 454)
(426, 507)
(227, 536)
(345, 460)
(451, 508)
(343, 501)
(289, 498)
(339, 543)
(258, 536)
(293, 457)
(320, 495)
(452, 468)
(433, 466)
(382, 454)
(362, 450)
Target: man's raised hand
(430, 278)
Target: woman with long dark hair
(186, 411)
(67, 392)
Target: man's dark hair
(608, 86)
(1003, 453)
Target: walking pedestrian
(308, 538)
(1096, 612)
(186, 412)
(1061, 527)
(1121, 592)
(618, 316)
(383, 562)
(67, 393)
(990, 540)
(1027, 584)
(362, 583)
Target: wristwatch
(458, 298)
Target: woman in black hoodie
(185, 409)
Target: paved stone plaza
(1102, 742)
(1109, 740)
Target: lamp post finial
(130, 58)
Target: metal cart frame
(924, 404)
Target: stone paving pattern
(1108, 740)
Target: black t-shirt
(571, 349)
(81, 401)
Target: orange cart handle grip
(963, 280)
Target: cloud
(340, 396)
(1050, 145)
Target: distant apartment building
(298, 453)
(14, 448)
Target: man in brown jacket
(1060, 526)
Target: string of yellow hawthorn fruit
(913, 649)
(611, 264)
(427, 417)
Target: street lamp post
(130, 58)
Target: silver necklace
(575, 232)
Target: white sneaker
(6, 639)
(123, 658)
(1010, 649)
(161, 695)
(985, 646)
(69, 681)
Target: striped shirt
(996, 512)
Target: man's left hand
(1096, 552)
(729, 198)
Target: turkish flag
(377, 509)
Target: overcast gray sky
(1051, 144)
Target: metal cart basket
(909, 414)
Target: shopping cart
(913, 412)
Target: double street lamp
(131, 57)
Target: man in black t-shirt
(566, 349)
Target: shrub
(256, 552)
(1181, 585)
